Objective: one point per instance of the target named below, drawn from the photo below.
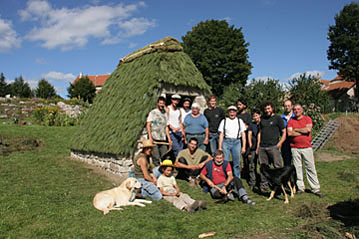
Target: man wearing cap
(214, 116)
(176, 131)
(232, 139)
(191, 160)
(196, 126)
(143, 171)
(157, 130)
(186, 108)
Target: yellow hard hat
(167, 163)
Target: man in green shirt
(191, 160)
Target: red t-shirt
(218, 173)
(301, 141)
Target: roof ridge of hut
(167, 44)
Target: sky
(58, 39)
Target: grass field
(44, 194)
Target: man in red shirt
(299, 129)
(218, 176)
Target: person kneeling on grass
(171, 192)
(220, 182)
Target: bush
(51, 116)
(313, 112)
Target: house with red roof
(97, 80)
(342, 92)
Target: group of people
(203, 144)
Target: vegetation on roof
(119, 112)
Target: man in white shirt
(175, 126)
(232, 139)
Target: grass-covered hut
(117, 117)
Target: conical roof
(118, 114)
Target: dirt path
(346, 138)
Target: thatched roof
(118, 114)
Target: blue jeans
(200, 139)
(233, 146)
(213, 142)
(156, 172)
(149, 189)
(177, 142)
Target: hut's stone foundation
(117, 165)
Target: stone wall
(109, 162)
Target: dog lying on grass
(279, 178)
(115, 198)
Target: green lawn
(44, 194)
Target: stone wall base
(109, 162)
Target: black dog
(279, 177)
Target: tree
(21, 89)
(260, 91)
(255, 93)
(4, 87)
(220, 53)
(343, 52)
(82, 88)
(45, 90)
(306, 90)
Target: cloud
(132, 45)
(53, 75)
(40, 61)
(227, 19)
(8, 36)
(313, 73)
(69, 28)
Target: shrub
(313, 112)
(51, 116)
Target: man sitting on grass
(190, 162)
(218, 176)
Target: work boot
(193, 207)
(202, 205)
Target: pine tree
(45, 90)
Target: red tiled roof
(337, 84)
(340, 85)
(97, 80)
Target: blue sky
(58, 39)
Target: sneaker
(299, 192)
(193, 207)
(248, 201)
(230, 196)
(202, 205)
(318, 194)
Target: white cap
(175, 96)
(196, 105)
(232, 107)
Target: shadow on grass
(346, 212)
(10, 144)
